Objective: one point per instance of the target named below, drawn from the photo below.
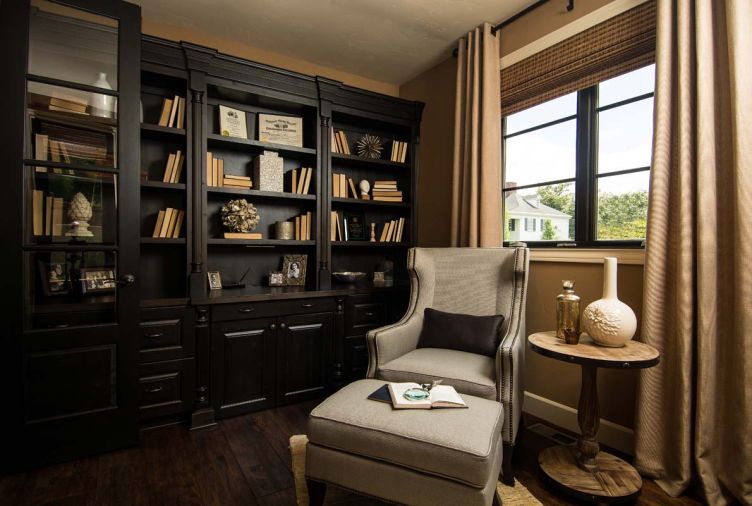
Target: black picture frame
(97, 279)
(356, 227)
(54, 278)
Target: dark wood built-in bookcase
(109, 324)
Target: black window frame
(586, 172)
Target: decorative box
(268, 171)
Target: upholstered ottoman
(412, 456)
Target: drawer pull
(370, 313)
(154, 390)
(246, 310)
(154, 335)
(306, 305)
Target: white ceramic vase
(102, 105)
(608, 321)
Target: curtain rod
(523, 12)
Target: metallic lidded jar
(568, 314)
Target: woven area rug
(510, 496)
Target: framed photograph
(355, 227)
(215, 280)
(276, 278)
(287, 130)
(54, 278)
(294, 269)
(97, 279)
(232, 122)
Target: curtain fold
(694, 409)
(476, 173)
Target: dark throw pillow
(462, 332)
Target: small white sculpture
(79, 213)
(365, 187)
(608, 321)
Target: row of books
(341, 185)
(392, 231)
(47, 214)
(340, 143)
(68, 105)
(303, 226)
(399, 151)
(301, 182)
(386, 191)
(174, 167)
(173, 112)
(68, 152)
(169, 223)
(216, 177)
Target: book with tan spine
(181, 113)
(58, 208)
(166, 222)
(294, 187)
(158, 224)
(38, 212)
(209, 170)
(382, 237)
(178, 224)
(168, 168)
(178, 172)
(164, 117)
(307, 185)
(309, 220)
(171, 226)
(352, 187)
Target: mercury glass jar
(568, 314)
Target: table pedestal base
(614, 480)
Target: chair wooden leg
(316, 492)
(507, 475)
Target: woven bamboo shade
(623, 43)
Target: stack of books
(335, 229)
(340, 144)
(169, 223)
(301, 181)
(47, 214)
(341, 185)
(399, 151)
(392, 231)
(68, 105)
(386, 191)
(174, 167)
(233, 181)
(303, 226)
(173, 112)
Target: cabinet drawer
(364, 312)
(369, 314)
(229, 312)
(166, 388)
(166, 334)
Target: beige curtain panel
(694, 410)
(476, 174)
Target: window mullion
(585, 201)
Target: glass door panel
(73, 45)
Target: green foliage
(560, 197)
(622, 216)
(549, 234)
(506, 224)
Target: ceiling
(386, 40)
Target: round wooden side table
(584, 471)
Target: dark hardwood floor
(243, 460)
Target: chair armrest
(390, 342)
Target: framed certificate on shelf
(232, 122)
(275, 129)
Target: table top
(633, 355)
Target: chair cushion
(457, 444)
(468, 373)
(463, 332)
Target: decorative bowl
(348, 276)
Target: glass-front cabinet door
(77, 258)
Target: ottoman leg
(316, 492)
(507, 475)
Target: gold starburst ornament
(370, 146)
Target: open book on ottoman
(440, 396)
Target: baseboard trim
(611, 434)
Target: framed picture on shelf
(215, 280)
(232, 122)
(355, 227)
(97, 279)
(276, 129)
(294, 269)
(276, 278)
(54, 278)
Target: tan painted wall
(231, 47)
(545, 377)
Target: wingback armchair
(477, 281)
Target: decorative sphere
(239, 216)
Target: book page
(445, 394)
(397, 391)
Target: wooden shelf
(162, 240)
(369, 244)
(374, 203)
(161, 131)
(159, 185)
(259, 242)
(237, 143)
(223, 190)
(371, 162)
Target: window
(512, 225)
(581, 164)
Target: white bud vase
(608, 321)
(101, 105)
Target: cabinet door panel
(304, 351)
(243, 366)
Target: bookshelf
(165, 183)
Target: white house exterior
(527, 217)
